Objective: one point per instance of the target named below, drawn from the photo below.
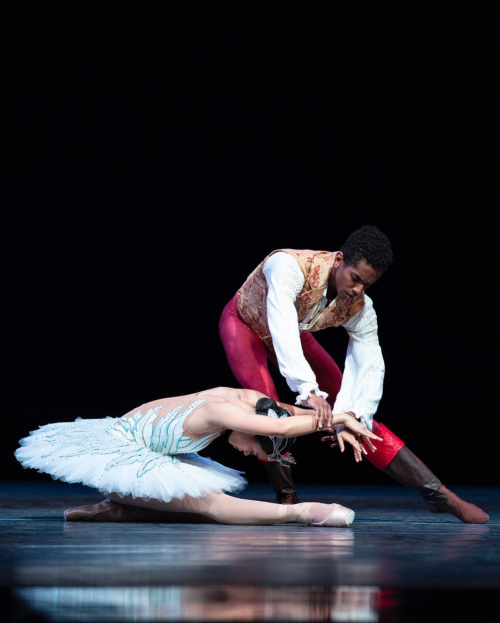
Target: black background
(153, 161)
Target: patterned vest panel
(316, 267)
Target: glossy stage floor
(397, 562)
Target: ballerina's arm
(251, 396)
(241, 417)
(294, 410)
(230, 415)
(348, 420)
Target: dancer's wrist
(339, 419)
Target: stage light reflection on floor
(204, 603)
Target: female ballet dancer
(148, 457)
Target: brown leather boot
(115, 512)
(409, 470)
(280, 476)
(281, 479)
(445, 501)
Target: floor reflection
(207, 603)
(217, 544)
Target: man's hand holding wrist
(322, 409)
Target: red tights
(248, 358)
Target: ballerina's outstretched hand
(357, 431)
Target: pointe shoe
(445, 501)
(116, 512)
(104, 511)
(340, 517)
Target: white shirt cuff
(306, 390)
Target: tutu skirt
(89, 452)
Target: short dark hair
(368, 243)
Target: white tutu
(90, 452)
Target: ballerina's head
(263, 447)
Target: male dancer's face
(348, 282)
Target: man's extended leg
(399, 462)
(392, 456)
(248, 359)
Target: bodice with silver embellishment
(167, 435)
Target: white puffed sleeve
(284, 282)
(364, 370)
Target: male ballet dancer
(289, 295)
(293, 293)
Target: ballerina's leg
(220, 507)
(229, 510)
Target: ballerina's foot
(107, 510)
(331, 515)
(104, 511)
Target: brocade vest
(316, 267)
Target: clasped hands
(336, 425)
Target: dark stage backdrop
(153, 168)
